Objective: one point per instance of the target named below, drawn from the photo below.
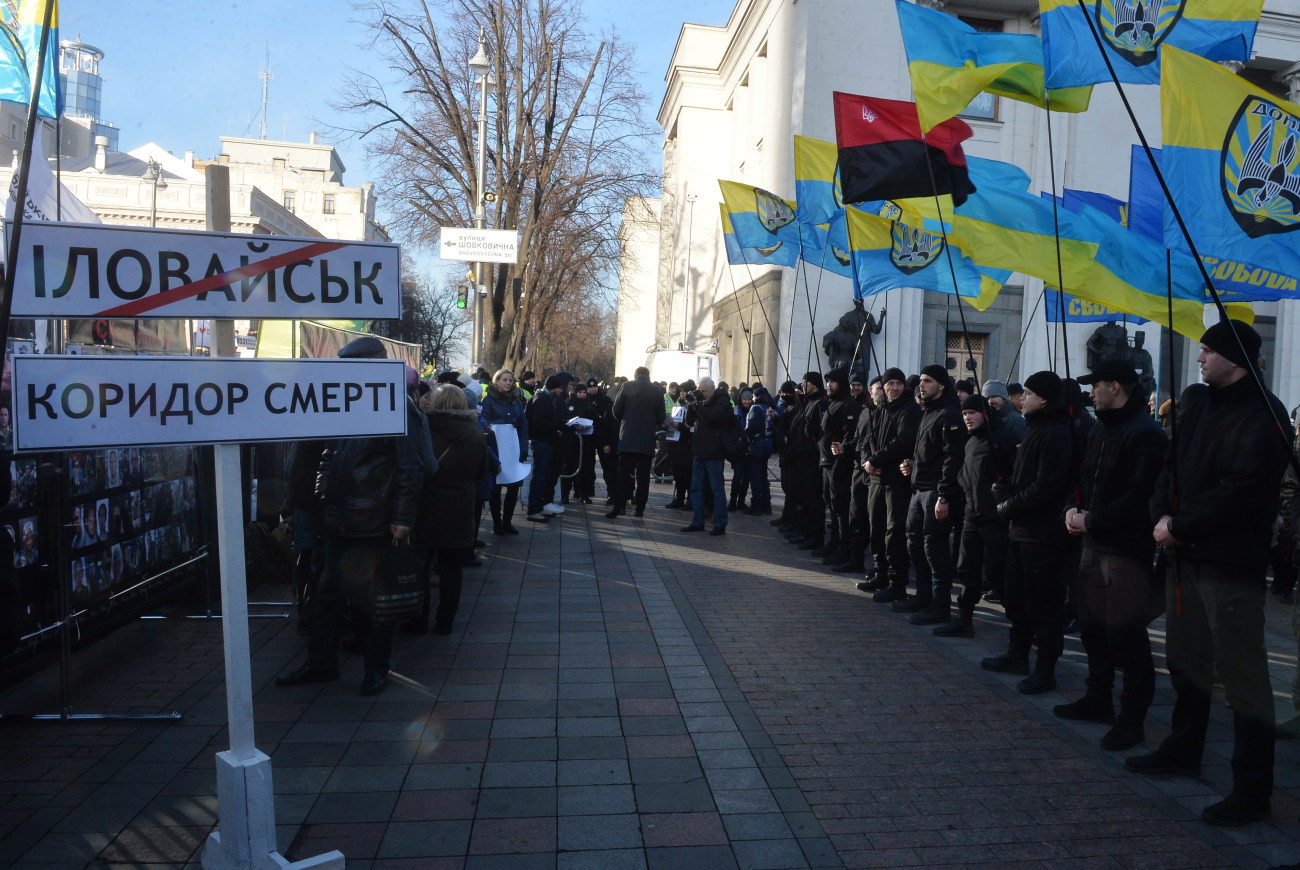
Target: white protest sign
(80, 402)
(75, 270)
(479, 246)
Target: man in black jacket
(932, 468)
(989, 458)
(1214, 507)
(639, 409)
(1116, 593)
(369, 491)
(832, 427)
(806, 471)
(711, 414)
(1034, 594)
(891, 440)
(546, 433)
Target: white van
(676, 366)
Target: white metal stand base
(246, 840)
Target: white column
(1284, 367)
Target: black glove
(1001, 491)
(1005, 510)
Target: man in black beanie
(1214, 507)
(933, 468)
(807, 458)
(1034, 590)
(891, 439)
(832, 427)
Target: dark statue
(841, 344)
(1110, 341)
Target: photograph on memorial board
(6, 427)
(94, 470)
(92, 573)
(112, 471)
(101, 520)
(77, 473)
(118, 562)
(188, 500)
(135, 474)
(132, 569)
(159, 498)
(27, 554)
(176, 496)
(23, 472)
(13, 347)
(77, 526)
(118, 518)
(136, 512)
(81, 590)
(106, 569)
(150, 550)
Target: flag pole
(24, 169)
(1056, 225)
(735, 295)
(1278, 424)
(812, 306)
(776, 339)
(952, 270)
(1025, 334)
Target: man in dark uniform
(1116, 592)
(832, 427)
(807, 459)
(932, 468)
(1214, 507)
(891, 439)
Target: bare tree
(430, 319)
(567, 144)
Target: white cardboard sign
(94, 271)
(80, 402)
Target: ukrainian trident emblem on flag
(911, 249)
(1135, 28)
(1261, 168)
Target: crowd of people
(1068, 508)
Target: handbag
(397, 587)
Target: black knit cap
(893, 374)
(1045, 384)
(938, 373)
(815, 378)
(788, 387)
(974, 402)
(839, 375)
(1218, 338)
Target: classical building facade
(736, 96)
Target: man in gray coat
(639, 410)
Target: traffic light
(462, 296)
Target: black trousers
(450, 563)
(887, 504)
(807, 479)
(633, 480)
(1214, 619)
(930, 547)
(1117, 598)
(348, 566)
(837, 491)
(859, 525)
(983, 554)
(1034, 597)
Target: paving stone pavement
(619, 695)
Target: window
(290, 199)
(328, 205)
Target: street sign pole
(245, 839)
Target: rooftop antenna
(265, 75)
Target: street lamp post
(154, 175)
(686, 281)
(480, 66)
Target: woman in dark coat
(448, 530)
(503, 405)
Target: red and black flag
(883, 156)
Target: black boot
(1127, 731)
(937, 613)
(912, 604)
(1043, 679)
(850, 566)
(1014, 661)
(890, 595)
(1092, 707)
(960, 626)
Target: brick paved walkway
(617, 695)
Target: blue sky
(182, 74)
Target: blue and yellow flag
(1133, 32)
(888, 255)
(1231, 158)
(777, 255)
(950, 63)
(31, 18)
(816, 180)
(826, 246)
(761, 219)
